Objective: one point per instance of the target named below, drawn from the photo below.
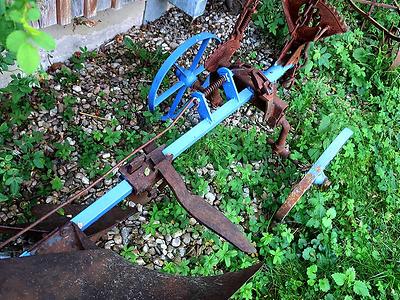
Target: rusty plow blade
(144, 171)
(102, 274)
(203, 212)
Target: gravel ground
(114, 77)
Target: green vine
(18, 39)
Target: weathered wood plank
(89, 8)
(63, 8)
(103, 4)
(116, 4)
(77, 8)
(48, 13)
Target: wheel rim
(185, 76)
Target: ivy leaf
(33, 14)
(28, 58)
(44, 40)
(324, 285)
(339, 278)
(361, 288)
(15, 39)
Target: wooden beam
(48, 13)
(89, 8)
(64, 15)
(116, 4)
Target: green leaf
(331, 213)
(350, 274)
(324, 285)
(339, 278)
(33, 14)
(311, 271)
(361, 288)
(61, 211)
(14, 183)
(128, 42)
(4, 126)
(360, 55)
(309, 65)
(38, 159)
(2, 196)
(325, 123)
(44, 40)
(15, 15)
(326, 222)
(28, 58)
(15, 39)
(56, 183)
(2, 6)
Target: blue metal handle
(317, 170)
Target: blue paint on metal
(25, 254)
(233, 104)
(320, 179)
(101, 206)
(187, 77)
(317, 170)
(276, 71)
(229, 85)
(203, 109)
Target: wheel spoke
(177, 100)
(199, 54)
(168, 93)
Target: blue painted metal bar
(205, 126)
(317, 170)
(101, 206)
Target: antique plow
(227, 86)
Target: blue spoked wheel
(186, 76)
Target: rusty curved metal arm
(373, 21)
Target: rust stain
(295, 196)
